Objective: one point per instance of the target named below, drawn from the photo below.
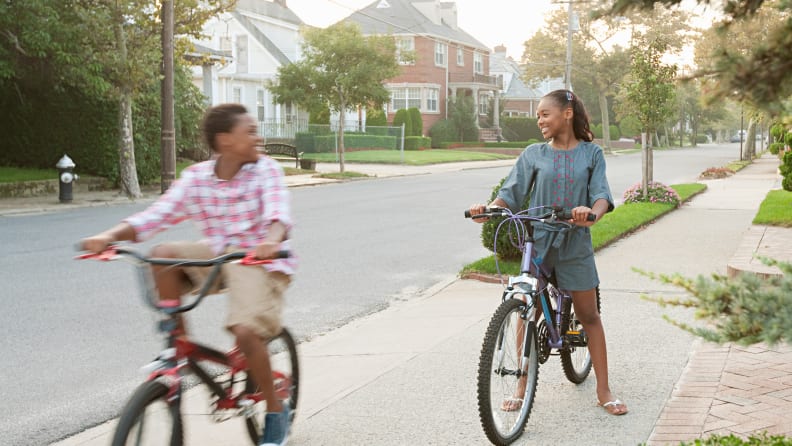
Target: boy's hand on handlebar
(97, 243)
(268, 250)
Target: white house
(241, 51)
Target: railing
(282, 128)
(495, 81)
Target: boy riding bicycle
(240, 203)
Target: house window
(432, 95)
(406, 46)
(441, 52)
(236, 95)
(460, 56)
(260, 106)
(478, 63)
(405, 98)
(483, 104)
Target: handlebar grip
(567, 215)
(488, 212)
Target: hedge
(417, 142)
(355, 141)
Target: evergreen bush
(520, 129)
(417, 142)
(416, 122)
(403, 117)
(506, 250)
(443, 131)
(375, 117)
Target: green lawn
(776, 209)
(411, 157)
(14, 174)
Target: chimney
(500, 49)
(448, 12)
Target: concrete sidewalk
(406, 375)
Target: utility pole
(168, 132)
(568, 72)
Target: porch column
(207, 83)
(496, 115)
(476, 105)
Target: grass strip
(411, 157)
(776, 209)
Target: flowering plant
(656, 193)
(716, 172)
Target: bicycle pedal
(577, 338)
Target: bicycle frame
(181, 355)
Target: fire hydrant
(66, 177)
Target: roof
(403, 17)
(269, 9)
(500, 63)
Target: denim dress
(567, 178)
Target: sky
(493, 22)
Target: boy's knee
(245, 336)
(163, 251)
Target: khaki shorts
(255, 295)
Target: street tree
(648, 94)
(340, 69)
(599, 62)
(761, 74)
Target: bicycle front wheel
(148, 419)
(286, 379)
(507, 373)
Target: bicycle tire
(142, 420)
(498, 380)
(575, 360)
(284, 362)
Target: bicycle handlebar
(150, 296)
(248, 258)
(555, 213)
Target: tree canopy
(760, 74)
(340, 69)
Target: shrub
(656, 193)
(375, 117)
(775, 147)
(505, 248)
(786, 170)
(403, 117)
(443, 131)
(416, 142)
(416, 122)
(614, 132)
(777, 132)
(716, 172)
(788, 139)
(521, 129)
(701, 139)
(596, 129)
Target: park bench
(280, 150)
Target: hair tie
(569, 96)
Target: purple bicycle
(534, 321)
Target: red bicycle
(152, 416)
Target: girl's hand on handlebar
(478, 209)
(580, 216)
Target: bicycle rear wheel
(575, 358)
(148, 419)
(507, 373)
(286, 376)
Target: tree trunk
(126, 149)
(126, 143)
(644, 164)
(341, 120)
(606, 139)
(750, 140)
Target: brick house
(447, 60)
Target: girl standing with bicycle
(569, 171)
(240, 203)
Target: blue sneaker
(276, 428)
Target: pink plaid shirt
(237, 212)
